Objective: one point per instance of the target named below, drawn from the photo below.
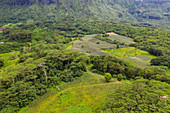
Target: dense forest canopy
(123, 11)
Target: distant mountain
(147, 11)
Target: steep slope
(148, 11)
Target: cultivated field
(139, 57)
(119, 38)
(93, 46)
(89, 45)
(139, 63)
(129, 52)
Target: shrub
(105, 35)
(119, 77)
(108, 77)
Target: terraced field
(93, 46)
(119, 38)
(139, 57)
(89, 45)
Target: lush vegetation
(34, 61)
(35, 72)
(127, 52)
(122, 11)
(141, 96)
(115, 66)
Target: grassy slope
(141, 58)
(86, 93)
(127, 52)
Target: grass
(70, 45)
(84, 95)
(136, 57)
(127, 52)
(79, 108)
(138, 62)
(130, 63)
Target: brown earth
(112, 33)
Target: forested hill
(155, 12)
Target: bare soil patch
(112, 33)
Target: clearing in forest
(86, 93)
(92, 46)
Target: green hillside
(36, 66)
(83, 96)
(119, 11)
(84, 56)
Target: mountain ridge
(148, 11)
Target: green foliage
(44, 63)
(73, 94)
(9, 47)
(112, 65)
(128, 52)
(105, 35)
(40, 66)
(1, 62)
(35, 10)
(161, 61)
(108, 77)
(119, 77)
(138, 97)
(117, 46)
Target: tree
(108, 77)
(117, 46)
(105, 35)
(1, 62)
(119, 77)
